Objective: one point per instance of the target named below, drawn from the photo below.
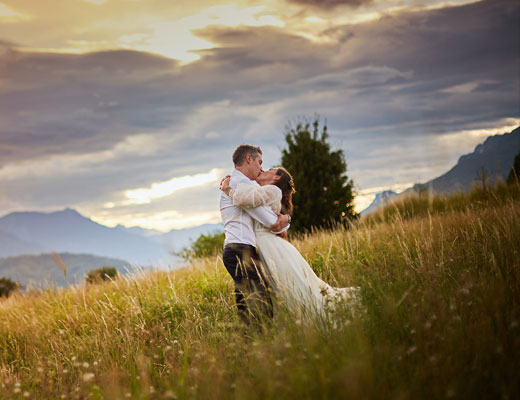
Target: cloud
(331, 4)
(81, 129)
(166, 188)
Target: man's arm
(264, 214)
(267, 217)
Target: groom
(240, 256)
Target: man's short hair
(241, 152)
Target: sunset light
(259, 199)
(166, 188)
(102, 101)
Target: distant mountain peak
(381, 199)
(69, 210)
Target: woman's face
(268, 177)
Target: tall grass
(422, 204)
(441, 292)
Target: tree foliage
(99, 275)
(7, 287)
(204, 246)
(324, 195)
(514, 174)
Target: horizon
(57, 211)
(368, 194)
(103, 112)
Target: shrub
(8, 286)
(204, 246)
(102, 274)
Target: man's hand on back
(283, 221)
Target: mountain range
(68, 231)
(27, 240)
(490, 161)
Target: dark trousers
(252, 291)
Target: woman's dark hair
(286, 184)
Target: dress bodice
(276, 206)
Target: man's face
(255, 166)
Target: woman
(293, 280)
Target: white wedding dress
(294, 282)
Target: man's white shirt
(238, 222)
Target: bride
(294, 282)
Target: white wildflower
(87, 377)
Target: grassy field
(440, 282)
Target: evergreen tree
(324, 195)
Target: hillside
(11, 245)
(495, 156)
(439, 289)
(40, 270)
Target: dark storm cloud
(401, 71)
(331, 4)
(397, 66)
(55, 103)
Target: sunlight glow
(477, 134)
(177, 40)
(161, 221)
(9, 15)
(366, 196)
(166, 188)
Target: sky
(129, 110)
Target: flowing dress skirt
(294, 282)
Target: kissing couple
(256, 208)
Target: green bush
(8, 286)
(204, 246)
(102, 274)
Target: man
(240, 256)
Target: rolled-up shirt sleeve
(266, 216)
(263, 214)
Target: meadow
(440, 286)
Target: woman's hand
(224, 184)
